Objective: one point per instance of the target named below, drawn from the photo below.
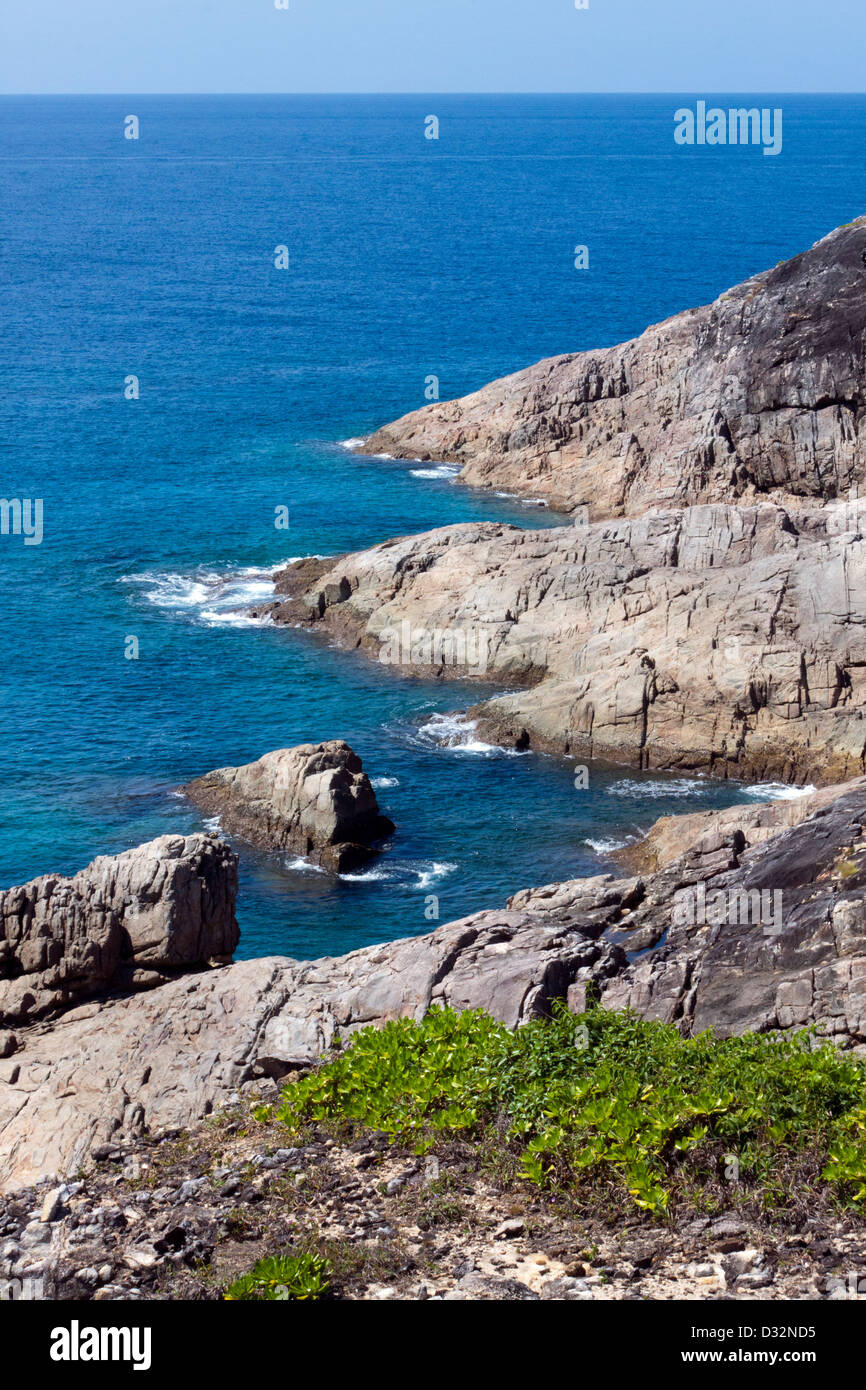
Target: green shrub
(604, 1098)
(282, 1277)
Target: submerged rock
(314, 799)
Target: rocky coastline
(703, 612)
(171, 1052)
(156, 1084)
(758, 394)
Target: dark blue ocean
(408, 258)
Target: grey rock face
(712, 833)
(761, 938)
(721, 639)
(761, 391)
(127, 921)
(314, 799)
(704, 613)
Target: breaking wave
(777, 791)
(457, 733)
(216, 598)
(674, 787)
(442, 470)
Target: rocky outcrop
(760, 392)
(672, 836)
(722, 639)
(126, 922)
(745, 939)
(314, 799)
(108, 1071)
(758, 939)
(705, 610)
(729, 936)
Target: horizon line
(431, 93)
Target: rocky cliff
(705, 611)
(760, 392)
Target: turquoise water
(408, 258)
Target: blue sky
(126, 46)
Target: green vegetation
(282, 1277)
(607, 1103)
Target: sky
(163, 46)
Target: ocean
(408, 258)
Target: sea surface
(408, 258)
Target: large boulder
(314, 799)
(127, 921)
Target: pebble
(755, 1279)
(190, 1189)
(52, 1205)
(739, 1261)
(140, 1257)
(510, 1230)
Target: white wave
(213, 618)
(377, 875)
(536, 502)
(378, 783)
(304, 866)
(433, 874)
(212, 823)
(383, 456)
(509, 496)
(213, 597)
(442, 470)
(673, 787)
(777, 791)
(424, 871)
(605, 846)
(353, 443)
(264, 573)
(456, 733)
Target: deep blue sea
(408, 258)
